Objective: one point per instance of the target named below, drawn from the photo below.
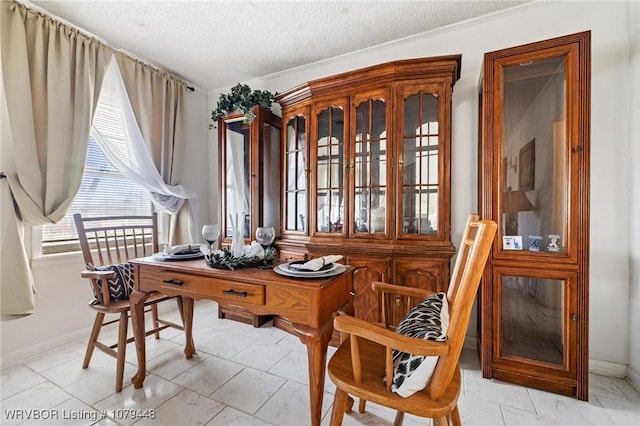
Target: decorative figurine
(553, 242)
(534, 242)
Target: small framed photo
(513, 242)
(535, 241)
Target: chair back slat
(472, 256)
(107, 248)
(134, 245)
(117, 248)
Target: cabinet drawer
(171, 282)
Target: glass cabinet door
(295, 191)
(535, 311)
(369, 173)
(237, 167)
(250, 170)
(267, 196)
(330, 175)
(534, 170)
(420, 161)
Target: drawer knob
(173, 282)
(235, 293)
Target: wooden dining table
(304, 307)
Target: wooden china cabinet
(366, 173)
(249, 183)
(534, 182)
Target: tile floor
(246, 376)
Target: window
(103, 191)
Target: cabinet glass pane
(296, 177)
(420, 185)
(270, 178)
(330, 170)
(534, 170)
(532, 318)
(237, 170)
(370, 167)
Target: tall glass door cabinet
(534, 182)
(249, 183)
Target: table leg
(317, 341)
(136, 300)
(189, 347)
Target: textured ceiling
(215, 44)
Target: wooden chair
(109, 241)
(364, 359)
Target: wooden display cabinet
(366, 173)
(534, 182)
(249, 178)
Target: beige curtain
(51, 77)
(157, 99)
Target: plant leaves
(241, 98)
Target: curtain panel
(51, 76)
(157, 99)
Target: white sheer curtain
(239, 202)
(132, 158)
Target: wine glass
(265, 236)
(211, 233)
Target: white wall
(197, 173)
(62, 295)
(633, 371)
(610, 239)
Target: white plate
(186, 256)
(288, 272)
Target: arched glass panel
(370, 173)
(296, 176)
(330, 170)
(420, 187)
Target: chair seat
(124, 305)
(372, 388)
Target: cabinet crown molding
(401, 70)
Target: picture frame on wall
(527, 166)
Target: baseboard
(82, 335)
(634, 377)
(21, 355)
(607, 368)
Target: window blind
(104, 191)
